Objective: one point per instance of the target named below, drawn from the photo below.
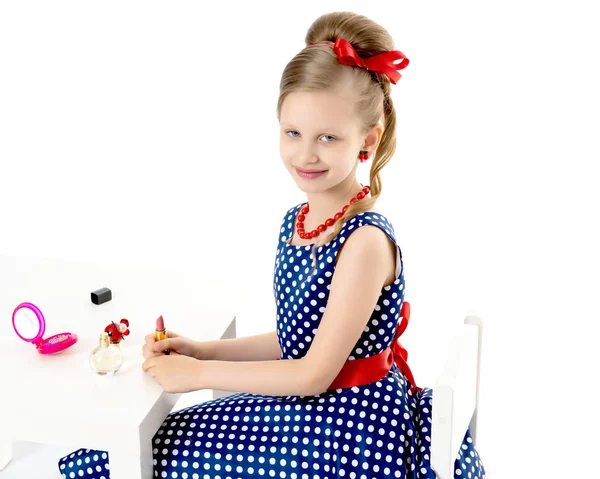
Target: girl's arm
(363, 266)
(261, 347)
(275, 378)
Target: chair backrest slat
(456, 398)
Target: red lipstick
(161, 332)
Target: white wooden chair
(456, 398)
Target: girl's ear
(373, 138)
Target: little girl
(329, 393)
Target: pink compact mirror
(30, 325)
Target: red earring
(363, 156)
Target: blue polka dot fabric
(379, 430)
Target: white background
(145, 133)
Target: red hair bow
(381, 63)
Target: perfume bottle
(106, 358)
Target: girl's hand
(177, 344)
(175, 374)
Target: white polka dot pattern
(301, 297)
(379, 430)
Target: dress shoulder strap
(287, 223)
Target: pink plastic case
(53, 344)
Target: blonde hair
(317, 69)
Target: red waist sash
(358, 372)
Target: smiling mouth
(310, 174)
(310, 171)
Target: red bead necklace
(330, 221)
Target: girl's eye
(324, 136)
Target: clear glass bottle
(106, 358)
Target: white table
(58, 399)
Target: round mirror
(28, 322)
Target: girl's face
(319, 132)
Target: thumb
(170, 343)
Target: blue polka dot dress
(378, 430)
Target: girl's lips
(309, 174)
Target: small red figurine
(117, 332)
